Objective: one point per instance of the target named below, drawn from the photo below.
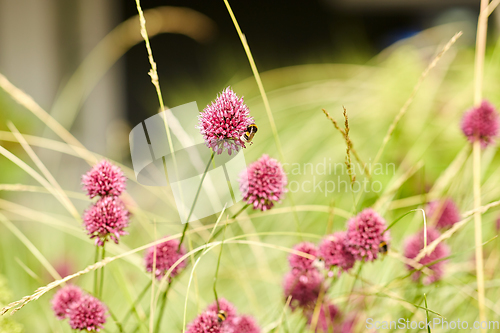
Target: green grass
(250, 275)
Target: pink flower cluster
(433, 261)
(224, 122)
(166, 256)
(445, 213)
(209, 322)
(263, 183)
(306, 279)
(481, 124)
(108, 217)
(85, 313)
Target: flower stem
(233, 217)
(162, 308)
(96, 258)
(194, 201)
(217, 270)
(134, 304)
(101, 284)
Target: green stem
(233, 217)
(162, 308)
(96, 257)
(101, 284)
(117, 323)
(137, 300)
(217, 271)
(195, 199)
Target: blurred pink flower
(166, 257)
(108, 217)
(415, 243)
(333, 250)
(243, 324)
(481, 123)
(89, 314)
(104, 179)
(207, 322)
(304, 287)
(265, 183)
(447, 210)
(64, 299)
(223, 122)
(298, 262)
(328, 315)
(365, 231)
(225, 306)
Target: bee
(221, 316)
(319, 263)
(383, 247)
(250, 133)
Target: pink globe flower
(108, 217)
(225, 306)
(415, 244)
(166, 256)
(224, 122)
(445, 213)
(207, 322)
(333, 250)
(365, 232)
(328, 315)
(89, 314)
(301, 263)
(243, 324)
(104, 179)
(481, 123)
(304, 287)
(264, 184)
(64, 299)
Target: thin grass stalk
(162, 309)
(482, 27)
(263, 94)
(408, 102)
(153, 73)
(132, 309)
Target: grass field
(426, 158)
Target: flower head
(333, 250)
(364, 234)
(328, 315)
(108, 217)
(166, 256)
(243, 324)
(481, 123)
(304, 287)
(445, 213)
(415, 244)
(263, 183)
(89, 314)
(104, 179)
(223, 122)
(225, 306)
(207, 322)
(301, 263)
(64, 299)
